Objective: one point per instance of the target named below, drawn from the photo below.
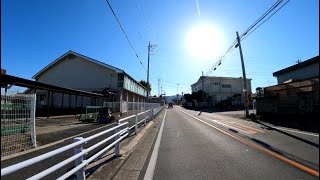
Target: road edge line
(154, 156)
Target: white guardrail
(79, 151)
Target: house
(295, 98)
(222, 88)
(76, 71)
(303, 70)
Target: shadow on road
(285, 154)
(235, 131)
(91, 170)
(290, 135)
(266, 145)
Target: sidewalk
(134, 154)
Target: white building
(76, 71)
(221, 88)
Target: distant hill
(170, 98)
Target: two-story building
(76, 71)
(222, 88)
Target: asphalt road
(218, 148)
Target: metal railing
(80, 152)
(17, 123)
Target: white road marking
(280, 128)
(154, 156)
(295, 131)
(233, 127)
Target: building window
(226, 85)
(120, 80)
(120, 84)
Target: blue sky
(34, 33)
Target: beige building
(76, 71)
(221, 88)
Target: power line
(132, 15)
(218, 63)
(262, 17)
(124, 32)
(265, 20)
(125, 35)
(248, 32)
(146, 22)
(150, 22)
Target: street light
(177, 88)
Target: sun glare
(204, 41)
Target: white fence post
(80, 174)
(151, 114)
(145, 118)
(117, 145)
(136, 125)
(33, 119)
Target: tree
(144, 83)
(188, 97)
(199, 96)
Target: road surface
(192, 145)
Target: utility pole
(149, 49)
(246, 104)
(160, 99)
(159, 90)
(158, 87)
(148, 72)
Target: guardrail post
(117, 145)
(80, 174)
(136, 125)
(151, 114)
(145, 118)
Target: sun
(204, 41)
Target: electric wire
(124, 32)
(264, 21)
(275, 5)
(247, 32)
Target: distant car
(170, 105)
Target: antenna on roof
(298, 61)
